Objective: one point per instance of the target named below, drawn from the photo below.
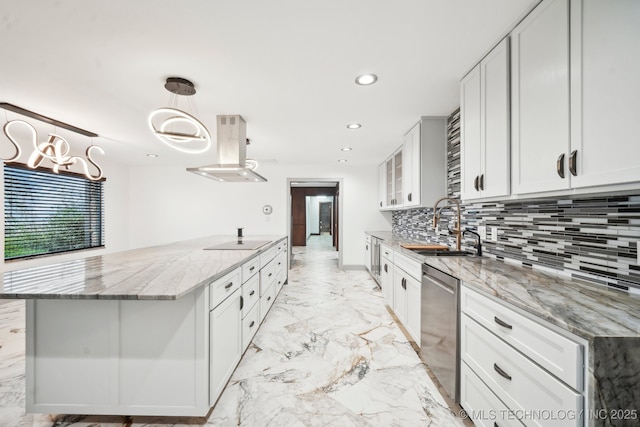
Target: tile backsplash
(593, 238)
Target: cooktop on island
(247, 245)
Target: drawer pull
(252, 268)
(502, 373)
(252, 293)
(252, 323)
(502, 323)
(269, 299)
(228, 285)
(270, 274)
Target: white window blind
(47, 213)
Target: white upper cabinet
(484, 108)
(605, 91)
(540, 99)
(391, 181)
(382, 186)
(411, 167)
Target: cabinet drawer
(267, 256)
(414, 268)
(280, 246)
(267, 277)
(266, 301)
(482, 406)
(223, 287)
(250, 294)
(557, 354)
(250, 324)
(517, 381)
(386, 253)
(250, 268)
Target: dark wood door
(298, 216)
(325, 217)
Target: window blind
(47, 213)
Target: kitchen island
(153, 331)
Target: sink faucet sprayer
(436, 216)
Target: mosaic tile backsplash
(592, 238)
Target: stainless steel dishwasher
(440, 346)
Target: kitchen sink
(429, 252)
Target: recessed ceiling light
(366, 79)
(152, 155)
(346, 149)
(342, 161)
(354, 126)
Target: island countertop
(164, 272)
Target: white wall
(116, 199)
(168, 204)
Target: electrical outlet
(482, 231)
(494, 234)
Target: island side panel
(119, 357)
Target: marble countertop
(164, 272)
(585, 309)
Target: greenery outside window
(47, 213)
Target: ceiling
(287, 66)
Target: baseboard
(354, 267)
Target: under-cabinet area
(116, 349)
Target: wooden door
(325, 217)
(298, 216)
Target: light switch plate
(494, 234)
(482, 231)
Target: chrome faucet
(458, 226)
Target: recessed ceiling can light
(342, 161)
(354, 126)
(152, 155)
(366, 79)
(346, 149)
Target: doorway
(314, 210)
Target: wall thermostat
(267, 209)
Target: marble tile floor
(328, 354)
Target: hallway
(327, 354)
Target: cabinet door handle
(252, 268)
(404, 283)
(241, 302)
(252, 323)
(269, 299)
(502, 323)
(502, 373)
(572, 163)
(409, 196)
(482, 182)
(270, 274)
(380, 204)
(367, 248)
(475, 183)
(228, 285)
(252, 293)
(560, 165)
(385, 268)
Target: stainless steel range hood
(232, 153)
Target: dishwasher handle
(441, 285)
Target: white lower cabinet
(225, 329)
(482, 406)
(250, 324)
(407, 293)
(386, 274)
(504, 379)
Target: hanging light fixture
(176, 128)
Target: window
(48, 213)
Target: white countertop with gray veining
(585, 309)
(156, 273)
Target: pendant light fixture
(177, 128)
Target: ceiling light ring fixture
(161, 119)
(366, 79)
(173, 139)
